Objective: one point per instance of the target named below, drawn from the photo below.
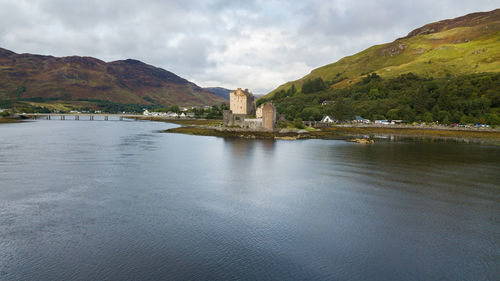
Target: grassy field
(350, 131)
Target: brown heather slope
(28, 77)
(460, 46)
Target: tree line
(463, 99)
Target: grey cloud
(256, 44)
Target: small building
(241, 102)
(327, 119)
(268, 116)
(361, 120)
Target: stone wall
(230, 119)
(253, 123)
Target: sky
(254, 44)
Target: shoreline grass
(345, 133)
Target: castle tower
(241, 102)
(268, 116)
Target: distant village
(183, 114)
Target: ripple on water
(118, 200)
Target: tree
(435, 113)
(493, 119)
(299, 124)
(427, 117)
(311, 113)
(342, 110)
(175, 108)
(313, 86)
(420, 100)
(393, 114)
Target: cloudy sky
(230, 43)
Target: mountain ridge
(220, 91)
(75, 78)
(463, 45)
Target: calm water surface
(91, 200)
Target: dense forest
(473, 98)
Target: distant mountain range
(464, 45)
(27, 77)
(221, 92)
(224, 93)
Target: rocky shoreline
(359, 134)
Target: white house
(382, 122)
(327, 119)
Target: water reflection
(126, 202)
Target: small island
(246, 120)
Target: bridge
(85, 116)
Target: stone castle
(243, 113)
(242, 102)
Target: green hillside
(447, 72)
(465, 45)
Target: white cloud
(252, 44)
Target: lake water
(117, 200)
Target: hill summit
(464, 45)
(28, 77)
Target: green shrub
(299, 124)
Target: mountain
(446, 72)
(464, 45)
(27, 77)
(221, 92)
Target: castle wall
(258, 112)
(230, 119)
